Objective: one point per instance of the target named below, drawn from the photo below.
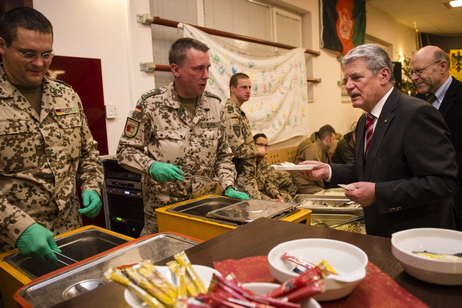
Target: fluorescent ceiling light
(455, 3)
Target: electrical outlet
(111, 111)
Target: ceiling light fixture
(455, 3)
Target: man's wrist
(229, 187)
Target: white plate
(293, 167)
(204, 272)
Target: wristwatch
(228, 187)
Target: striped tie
(431, 97)
(369, 130)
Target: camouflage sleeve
(224, 166)
(131, 152)
(90, 171)
(13, 222)
(239, 134)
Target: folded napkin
(376, 290)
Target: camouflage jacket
(160, 130)
(272, 183)
(240, 135)
(241, 142)
(41, 158)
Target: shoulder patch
(208, 94)
(153, 92)
(131, 128)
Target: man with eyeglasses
(240, 136)
(405, 171)
(430, 73)
(45, 143)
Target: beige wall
(107, 29)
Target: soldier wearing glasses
(45, 143)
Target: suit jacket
(412, 162)
(451, 109)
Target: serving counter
(259, 237)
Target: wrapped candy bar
(183, 259)
(297, 282)
(298, 261)
(145, 284)
(118, 276)
(305, 292)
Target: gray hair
(376, 58)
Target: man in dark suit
(408, 175)
(430, 73)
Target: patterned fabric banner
(343, 24)
(278, 106)
(455, 69)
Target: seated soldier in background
(272, 184)
(319, 151)
(312, 138)
(345, 150)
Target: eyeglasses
(419, 71)
(32, 56)
(262, 145)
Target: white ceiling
(430, 16)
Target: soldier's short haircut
(325, 131)
(177, 53)
(259, 135)
(24, 17)
(235, 79)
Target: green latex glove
(163, 172)
(232, 193)
(92, 203)
(38, 242)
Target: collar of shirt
(377, 110)
(441, 92)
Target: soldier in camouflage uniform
(45, 143)
(273, 184)
(240, 135)
(177, 132)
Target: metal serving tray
(83, 277)
(249, 210)
(328, 204)
(75, 247)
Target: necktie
(369, 130)
(431, 97)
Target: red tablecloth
(376, 290)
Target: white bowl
(348, 260)
(204, 272)
(262, 288)
(433, 240)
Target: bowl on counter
(434, 240)
(262, 288)
(347, 260)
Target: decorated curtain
(279, 101)
(343, 24)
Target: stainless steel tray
(75, 247)
(83, 276)
(249, 210)
(325, 220)
(328, 204)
